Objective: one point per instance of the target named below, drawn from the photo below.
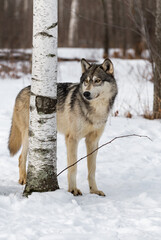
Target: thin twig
(124, 136)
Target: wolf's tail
(15, 139)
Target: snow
(128, 171)
(94, 53)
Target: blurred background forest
(128, 29)
(97, 24)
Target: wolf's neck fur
(96, 111)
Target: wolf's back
(20, 119)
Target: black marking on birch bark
(45, 105)
(42, 151)
(31, 134)
(45, 34)
(52, 26)
(51, 139)
(31, 108)
(35, 79)
(42, 121)
(51, 55)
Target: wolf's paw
(22, 180)
(100, 193)
(75, 192)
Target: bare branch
(124, 136)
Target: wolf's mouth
(97, 95)
(89, 98)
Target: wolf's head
(98, 81)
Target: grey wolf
(85, 104)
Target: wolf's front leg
(72, 145)
(92, 144)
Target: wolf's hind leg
(22, 159)
(92, 144)
(72, 145)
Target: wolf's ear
(85, 65)
(108, 66)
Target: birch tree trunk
(42, 174)
(73, 24)
(157, 75)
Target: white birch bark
(73, 24)
(42, 174)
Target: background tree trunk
(41, 175)
(137, 18)
(124, 25)
(73, 24)
(106, 27)
(157, 76)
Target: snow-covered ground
(128, 170)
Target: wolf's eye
(97, 81)
(86, 81)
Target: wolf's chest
(99, 112)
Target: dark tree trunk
(106, 35)
(73, 24)
(157, 76)
(124, 35)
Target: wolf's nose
(87, 94)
